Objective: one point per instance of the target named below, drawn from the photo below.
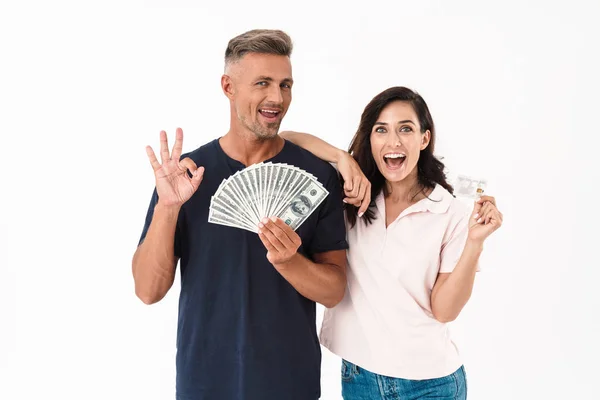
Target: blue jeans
(360, 384)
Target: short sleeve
(149, 215)
(330, 232)
(454, 246)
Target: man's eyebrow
(269, 79)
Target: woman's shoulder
(456, 207)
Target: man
(247, 308)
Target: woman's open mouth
(394, 160)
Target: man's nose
(275, 95)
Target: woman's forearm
(452, 291)
(318, 147)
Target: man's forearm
(322, 283)
(154, 261)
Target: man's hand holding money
(322, 280)
(281, 241)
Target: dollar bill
(265, 180)
(303, 204)
(225, 205)
(292, 191)
(240, 185)
(216, 217)
(281, 181)
(244, 182)
(230, 193)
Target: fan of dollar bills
(266, 190)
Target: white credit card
(469, 187)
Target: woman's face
(396, 141)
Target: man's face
(261, 92)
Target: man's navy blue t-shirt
(243, 331)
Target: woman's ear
(425, 138)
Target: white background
(513, 90)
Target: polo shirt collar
(438, 202)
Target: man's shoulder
(203, 153)
(306, 160)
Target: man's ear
(227, 86)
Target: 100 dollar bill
(302, 204)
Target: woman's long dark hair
(430, 170)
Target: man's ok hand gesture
(173, 185)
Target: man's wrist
(167, 210)
(289, 264)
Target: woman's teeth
(394, 160)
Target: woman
(412, 260)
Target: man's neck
(248, 149)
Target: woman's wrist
(474, 246)
(338, 154)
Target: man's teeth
(395, 155)
(270, 111)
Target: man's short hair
(265, 41)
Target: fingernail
(344, 200)
(360, 214)
(476, 215)
(479, 220)
(260, 226)
(274, 219)
(265, 220)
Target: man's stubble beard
(261, 132)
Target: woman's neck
(408, 191)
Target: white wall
(513, 91)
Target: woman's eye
(380, 130)
(406, 129)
